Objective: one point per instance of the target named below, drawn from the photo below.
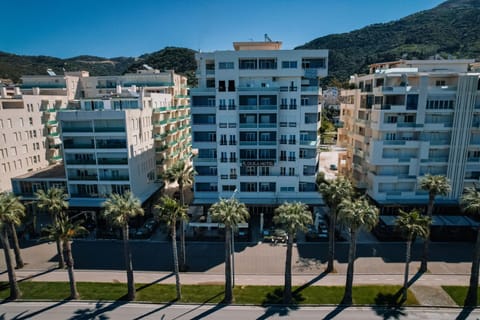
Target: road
(134, 311)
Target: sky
(106, 28)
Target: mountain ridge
(451, 29)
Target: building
(255, 117)
(29, 136)
(111, 133)
(408, 118)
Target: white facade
(27, 131)
(408, 118)
(113, 133)
(255, 116)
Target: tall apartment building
(408, 118)
(29, 137)
(117, 133)
(255, 117)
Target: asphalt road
(133, 311)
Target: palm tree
(411, 224)
(65, 230)
(12, 223)
(334, 192)
(229, 212)
(170, 211)
(55, 202)
(118, 209)
(182, 174)
(471, 203)
(435, 185)
(10, 211)
(292, 217)
(355, 215)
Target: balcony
(311, 143)
(76, 129)
(114, 178)
(81, 161)
(267, 142)
(109, 129)
(51, 123)
(113, 161)
(82, 177)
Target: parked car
(333, 167)
(275, 235)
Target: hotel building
(409, 118)
(116, 133)
(255, 118)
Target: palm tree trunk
(347, 297)
(61, 262)
(228, 266)
(287, 291)
(128, 264)
(67, 247)
(15, 292)
(331, 239)
(183, 257)
(471, 299)
(426, 242)
(16, 247)
(175, 261)
(407, 265)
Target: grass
(163, 293)
(459, 293)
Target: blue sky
(69, 28)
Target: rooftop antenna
(267, 38)
(50, 72)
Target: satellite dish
(50, 72)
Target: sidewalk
(262, 264)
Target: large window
(226, 65)
(247, 64)
(289, 64)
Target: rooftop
(51, 172)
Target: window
(291, 171)
(282, 171)
(233, 140)
(440, 83)
(289, 64)
(247, 64)
(267, 64)
(248, 187)
(231, 85)
(233, 157)
(223, 157)
(10, 122)
(221, 86)
(304, 102)
(283, 103)
(291, 156)
(283, 155)
(21, 122)
(291, 139)
(293, 104)
(264, 171)
(225, 65)
(283, 139)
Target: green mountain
(451, 29)
(181, 60)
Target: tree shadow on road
(154, 282)
(25, 315)
(389, 306)
(414, 278)
(465, 313)
(98, 312)
(311, 282)
(335, 312)
(273, 304)
(6, 284)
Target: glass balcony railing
(113, 161)
(77, 129)
(80, 161)
(109, 129)
(115, 178)
(86, 177)
(78, 145)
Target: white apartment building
(408, 118)
(116, 133)
(255, 117)
(28, 128)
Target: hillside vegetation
(451, 29)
